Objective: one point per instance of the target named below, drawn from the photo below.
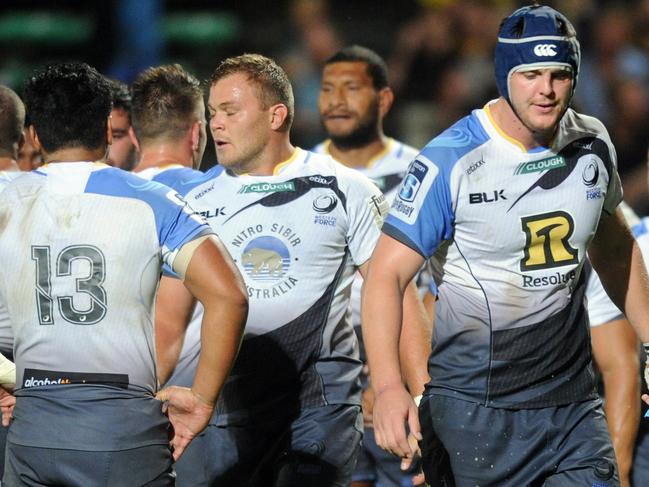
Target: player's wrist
(202, 399)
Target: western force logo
(540, 166)
(325, 203)
(282, 187)
(412, 181)
(590, 174)
(545, 50)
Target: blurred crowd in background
(439, 52)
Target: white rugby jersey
(6, 335)
(175, 176)
(507, 232)
(297, 237)
(386, 170)
(81, 249)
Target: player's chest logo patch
(323, 205)
(266, 255)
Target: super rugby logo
(545, 50)
(412, 182)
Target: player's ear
(196, 135)
(34, 136)
(278, 114)
(386, 98)
(133, 137)
(109, 130)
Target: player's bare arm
(615, 350)
(174, 307)
(214, 280)
(383, 291)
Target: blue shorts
(27, 466)
(491, 447)
(317, 449)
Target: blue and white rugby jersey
(6, 335)
(170, 175)
(386, 170)
(507, 232)
(297, 237)
(176, 176)
(82, 247)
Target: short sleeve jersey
(507, 231)
(386, 170)
(82, 248)
(297, 237)
(178, 177)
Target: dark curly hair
(69, 105)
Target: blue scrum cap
(535, 37)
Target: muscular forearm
(221, 333)
(622, 412)
(381, 326)
(414, 342)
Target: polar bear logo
(261, 259)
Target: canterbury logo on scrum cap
(545, 50)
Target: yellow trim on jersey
(278, 168)
(382, 154)
(388, 147)
(512, 140)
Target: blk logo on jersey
(490, 197)
(212, 213)
(412, 181)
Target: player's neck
(358, 157)
(8, 164)
(273, 155)
(163, 154)
(74, 154)
(508, 122)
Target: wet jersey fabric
(297, 237)
(506, 232)
(82, 248)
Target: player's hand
(188, 414)
(7, 403)
(393, 408)
(406, 463)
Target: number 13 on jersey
(90, 285)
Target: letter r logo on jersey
(545, 50)
(547, 242)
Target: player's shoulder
(580, 124)
(348, 178)
(454, 143)
(177, 177)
